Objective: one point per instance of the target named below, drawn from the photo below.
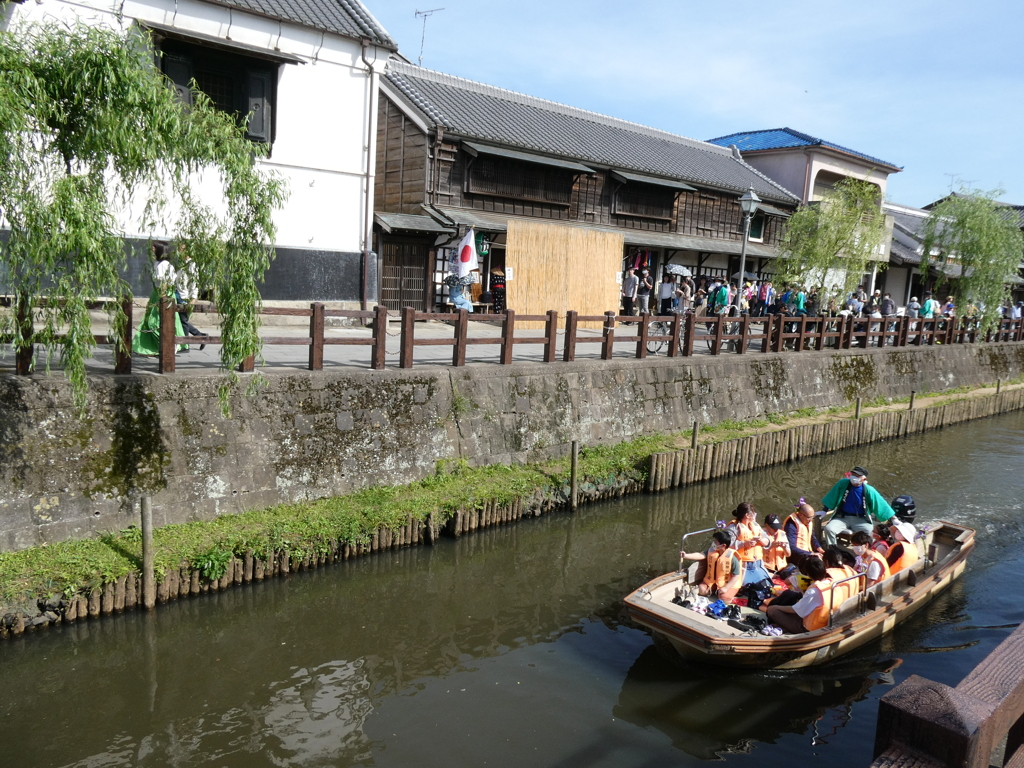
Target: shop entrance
(404, 274)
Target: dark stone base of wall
(311, 435)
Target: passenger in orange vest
(870, 562)
(750, 543)
(799, 529)
(724, 575)
(811, 611)
(903, 554)
(881, 539)
(776, 554)
(838, 569)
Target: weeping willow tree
(830, 243)
(93, 137)
(981, 236)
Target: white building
(308, 72)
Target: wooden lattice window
(644, 200)
(502, 177)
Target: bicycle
(661, 327)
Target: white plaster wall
(786, 168)
(323, 113)
(865, 172)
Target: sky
(936, 87)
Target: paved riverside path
(278, 358)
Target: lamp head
(749, 202)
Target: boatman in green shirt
(858, 506)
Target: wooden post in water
(148, 580)
(695, 436)
(572, 475)
(857, 414)
(913, 394)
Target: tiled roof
(477, 111)
(784, 138)
(348, 18)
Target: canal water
(509, 647)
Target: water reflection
(508, 646)
(711, 712)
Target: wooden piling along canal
(677, 469)
(674, 469)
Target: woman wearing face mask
(869, 562)
(858, 506)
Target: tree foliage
(91, 136)
(974, 231)
(837, 236)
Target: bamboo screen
(562, 268)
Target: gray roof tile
(348, 18)
(475, 110)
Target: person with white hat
(858, 506)
(903, 554)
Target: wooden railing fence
(677, 335)
(924, 724)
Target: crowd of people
(784, 569)
(759, 297)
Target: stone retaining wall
(314, 434)
(667, 470)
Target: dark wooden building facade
(440, 164)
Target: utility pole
(423, 37)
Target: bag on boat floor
(758, 592)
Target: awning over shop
(483, 149)
(773, 211)
(640, 178)
(498, 222)
(408, 222)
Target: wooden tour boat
(944, 548)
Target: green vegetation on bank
(79, 567)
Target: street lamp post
(748, 204)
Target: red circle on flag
(466, 254)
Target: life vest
(846, 589)
(775, 555)
(719, 568)
(746, 533)
(872, 555)
(907, 559)
(818, 618)
(803, 533)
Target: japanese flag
(465, 259)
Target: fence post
(508, 334)
(716, 345)
(23, 356)
(167, 334)
(148, 580)
(950, 330)
(551, 333)
(316, 333)
(248, 365)
(766, 342)
(919, 340)
(822, 328)
(408, 339)
(780, 329)
(856, 414)
(609, 336)
(691, 332)
(571, 321)
(695, 435)
(741, 346)
(802, 340)
(641, 344)
(461, 331)
(901, 340)
(123, 345)
(380, 338)
(677, 321)
(913, 394)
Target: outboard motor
(904, 508)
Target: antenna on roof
(423, 37)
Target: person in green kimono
(146, 341)
(858, 506)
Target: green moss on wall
(856, 376)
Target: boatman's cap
(859, 472)
(772, 521)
